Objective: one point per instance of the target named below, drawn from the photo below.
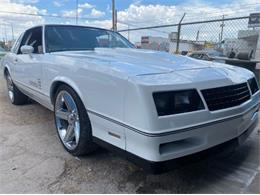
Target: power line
(166, 25)
(130, 24)
(185, 23)
(48, 15)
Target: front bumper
(176, 144)
(206, 151)
(222, 149)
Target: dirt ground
(33, 161)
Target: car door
(28, 67)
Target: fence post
(178, 38)
(179, 34)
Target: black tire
(85, 144)
(17, 98)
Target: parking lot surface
(32, 160)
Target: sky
(131, 13)
(103, 6)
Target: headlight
(174, 102)
(253, 85)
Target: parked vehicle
(152, 105)
(2, 52)
(208, 56)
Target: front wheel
(72, 122)
(14, 94)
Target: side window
(197, 56)
(205, 57)
(33, 37)
(109, 40)
(103, 41)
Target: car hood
(138, 62)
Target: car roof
(72, 25)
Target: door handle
(15, 60)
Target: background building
(155, 43)
(247, 41)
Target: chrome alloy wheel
(10, 87)
(67, 120)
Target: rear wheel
(72, 122)
(15, 95)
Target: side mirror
(27, 49)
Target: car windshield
(215, 54)
(75, 38)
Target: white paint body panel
(116, 87)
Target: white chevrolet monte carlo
(151, 105)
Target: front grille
(253, 85)
(226, 97)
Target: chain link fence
(230, 37)
(222, 36)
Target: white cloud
(99, 23)
(43, 12)
(57, 3)
(96, 13)
(106, 24)
(146, 13)
(195, 10)
(139, 15)
(136, 15)
(108, 8)
(86, 6)
(71, 13)
(18, 21)
(137, 2)
(25, 1)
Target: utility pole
(115, 19)
(77, 9)
(128, 34)
(12, 27)
(179, 34)
(222, 28)
(114, 16)
(198, 34)
(5, 35)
